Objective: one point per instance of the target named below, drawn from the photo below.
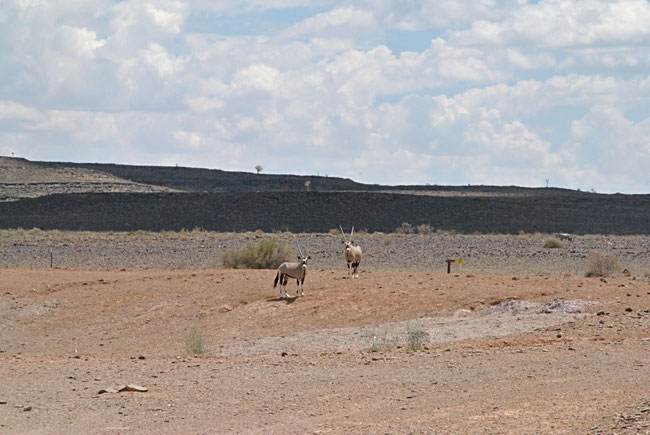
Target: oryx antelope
(352, 255)
(297, 270)
(564, 236)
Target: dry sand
(512, 353)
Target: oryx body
(297, 270)
(352, 255)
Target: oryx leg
(283, 285)
(355, 274)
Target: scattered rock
(137, 388)
(27, 408)
(561, 305)
(117, 388)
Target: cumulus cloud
(487, 92)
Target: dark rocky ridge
(322, 211)
(236, 201)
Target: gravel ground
(494, 254)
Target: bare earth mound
(509, 353)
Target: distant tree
(258, 168)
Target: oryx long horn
(351, 233)
(300, 248)
(343, 232)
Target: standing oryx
(352, 255)
(297, 270)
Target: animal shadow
(288, 300)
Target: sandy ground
(512, 353)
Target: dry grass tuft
(268, 254)
(552, 243)
(415, 338)
(602, 264)
(194, 342)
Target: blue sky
(510, 92)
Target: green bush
(268, 254)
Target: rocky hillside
(118, 197)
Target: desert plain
(515, 340)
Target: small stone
(142, 357)
(3, 402)
(27, 408)
(628, 310)
(117, 388)
(137, 388)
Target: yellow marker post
(460, 261)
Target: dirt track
(335, 361)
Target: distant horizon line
(425, 185)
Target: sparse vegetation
(552, 243)
(601, 264)
(424, 229)
(415, 338)
(268, 254)
(405, 228)
(194, 342)
(381, 342)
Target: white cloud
(77, 41)
(347, 20)
(561, 23)
(479, 92)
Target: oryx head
(348, 244)
(303, 261)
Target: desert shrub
(601, 264)
(552, 243)
(381, 342)
(405, 228)
(194, 342)
(424, 229)
(415, 338)
(268, 254)
(334, 232)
